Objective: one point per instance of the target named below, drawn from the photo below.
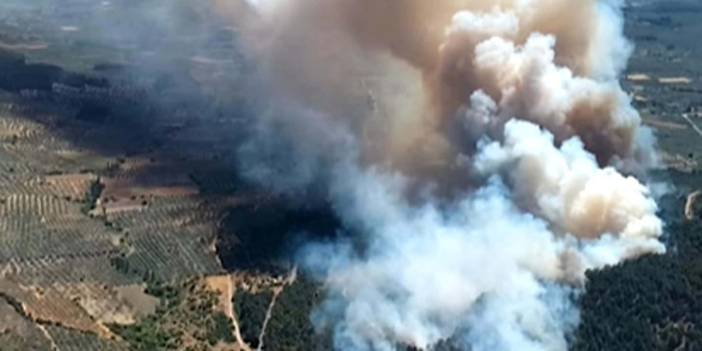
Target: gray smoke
(515, 111)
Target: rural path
(230, 290)
(237, 335)
(292, 276)
(692, 124)
(226, 286)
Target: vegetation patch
(251, 309)
(186, 319)
(650, 304)
(290, 327)
(92, 195)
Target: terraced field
(115, 196)
(93, 214)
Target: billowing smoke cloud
(480, 154)
(565, 79)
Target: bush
(650, 304)
(290, 327)
(251, 311)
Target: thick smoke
(563, 79)
(482, 154)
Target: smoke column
(481, 155)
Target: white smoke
(614, 214)
(540, 131)
(528, 84)
(480, 266)
(428, 272)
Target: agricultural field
(108, 234)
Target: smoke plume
(480, 154)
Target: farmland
(119, 197)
